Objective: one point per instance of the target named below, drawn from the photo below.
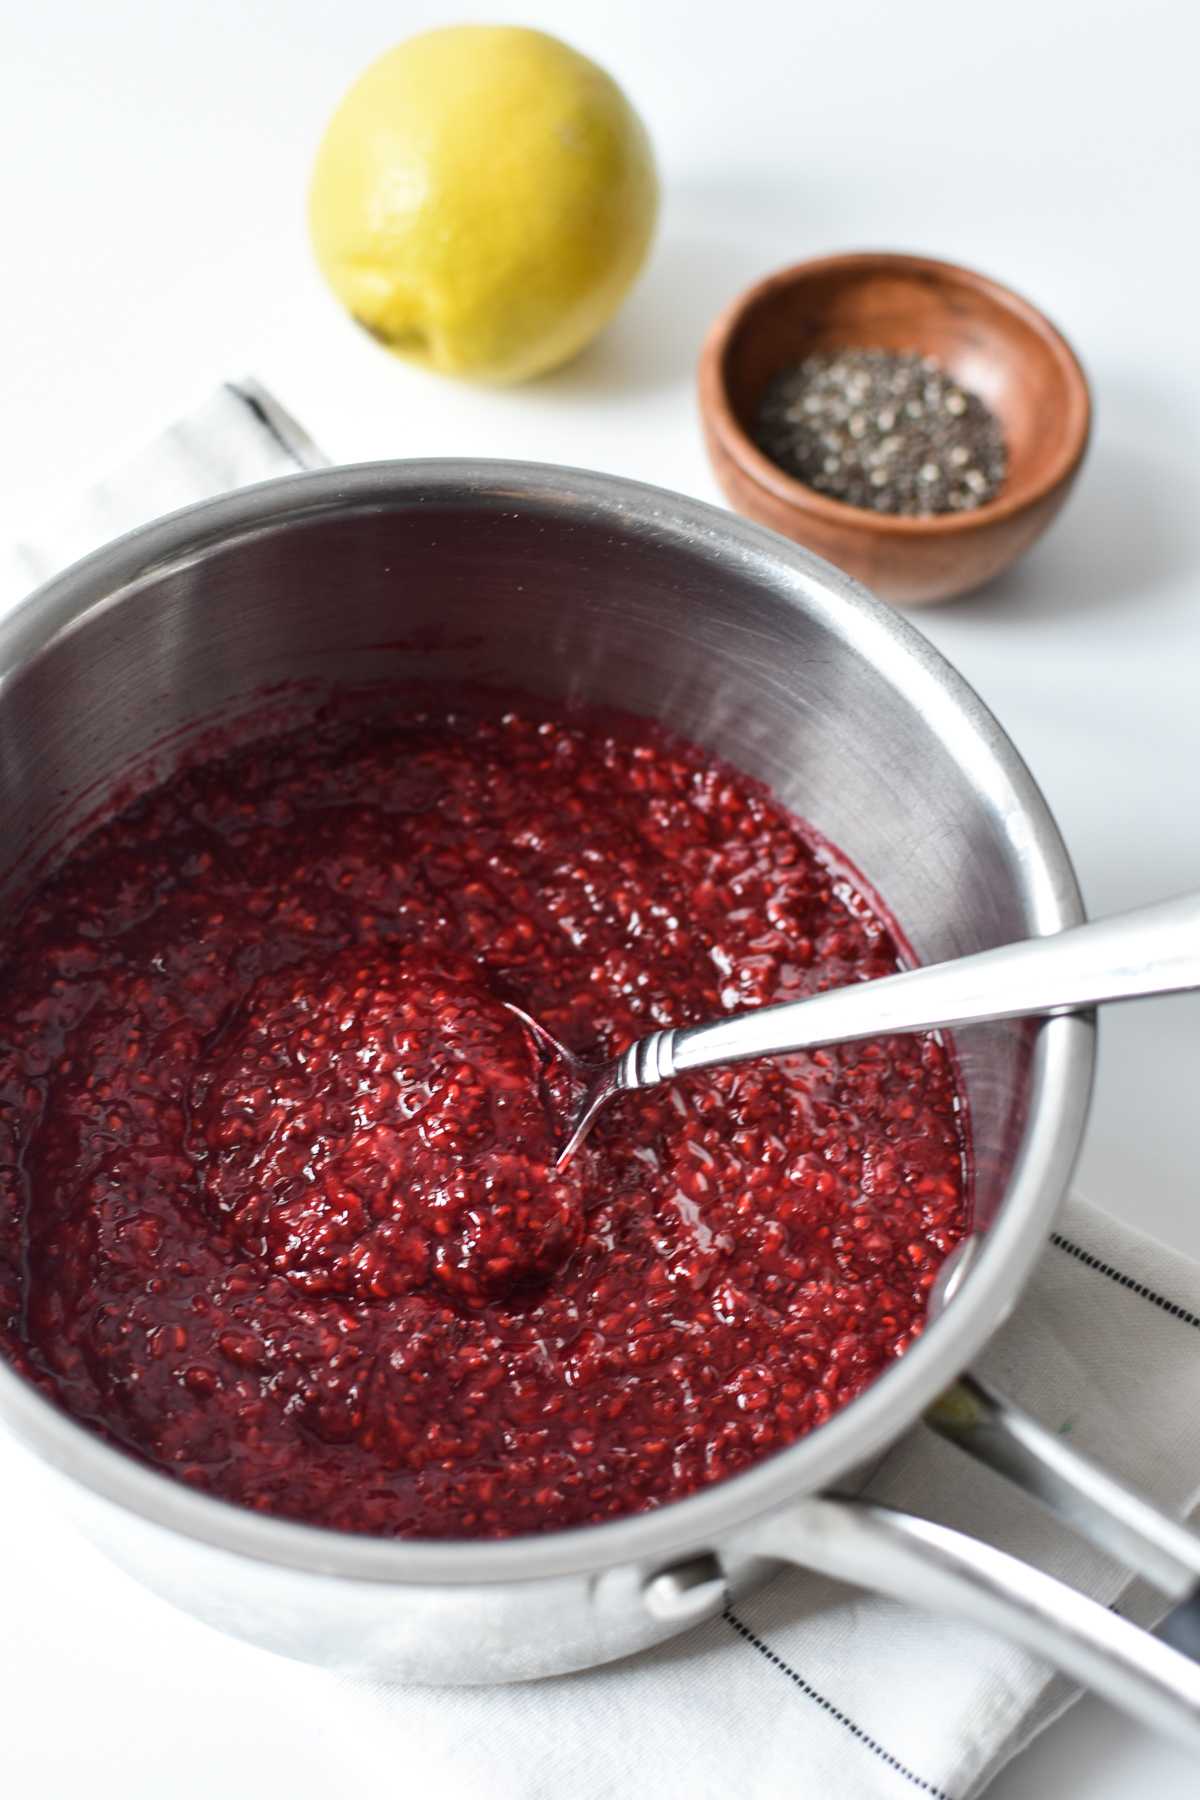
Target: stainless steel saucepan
(571, 585)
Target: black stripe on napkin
(811, 1693)
(1125, 1281)
(268, 424)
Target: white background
(154, 161)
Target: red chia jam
(280, 1212)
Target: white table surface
(154, 164)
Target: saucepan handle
(1097, 1504)
(1154, 1678)
(929, 1565)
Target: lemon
(482, 200)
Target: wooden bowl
(992, 342)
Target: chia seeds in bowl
(889, 432)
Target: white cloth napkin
(808, 1688)
(238, 435)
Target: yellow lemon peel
(482, 200)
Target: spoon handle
(1155, 950)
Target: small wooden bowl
(992, 342)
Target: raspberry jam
(370, 1125)
(278, 1206)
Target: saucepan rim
(1063, 1051)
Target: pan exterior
(564, 585)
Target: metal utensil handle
(1155, 950)
(931, 1566)
(1101, 1507)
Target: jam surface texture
(279, 1213)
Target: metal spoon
(1155, 950)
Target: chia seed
(889, 432)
